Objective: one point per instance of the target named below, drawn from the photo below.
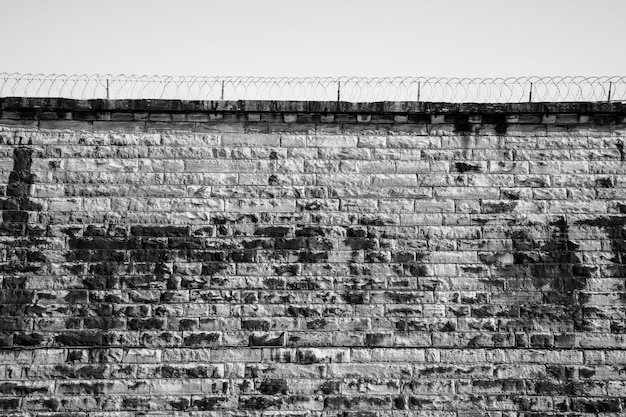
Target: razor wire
(349, 89)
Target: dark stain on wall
(554, 267)
(613, 226)
(463, 167)
(23, 244)
(562, 270)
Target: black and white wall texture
(171, 258)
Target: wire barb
(350, 89)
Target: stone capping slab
(323, 107)
(302, 116)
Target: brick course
(255, 258)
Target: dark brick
(278, 231)
(209, 403)
(253, 325)
(18, 389)
(273, 387)
(82, 388)
(136, 403)
(152, 323)
(79, 338)
(180, 404)
(378, 339)
(329, 387)
(464, 167)
(28, 339)
(363, 402)
(9, 404)
(203, 339)
(160, 231)
(258, 403)
(267, 339)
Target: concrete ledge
(306, 117)
(101, 107)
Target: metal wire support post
(419, 91)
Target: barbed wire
(351, 89)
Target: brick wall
(311, 259)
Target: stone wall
(311, 259)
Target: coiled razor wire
(350, 89)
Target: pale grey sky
(477, 38)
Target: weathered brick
(420, 142)
(232, 139)
(394, 180)
(332, 141)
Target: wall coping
(399, 107)
(301, 116)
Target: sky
(366, 38)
